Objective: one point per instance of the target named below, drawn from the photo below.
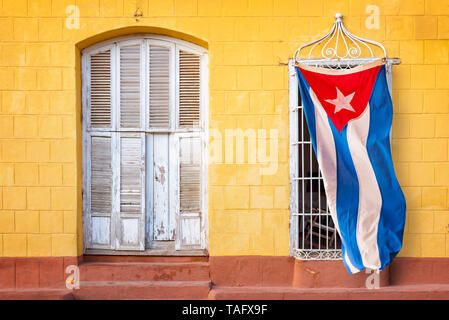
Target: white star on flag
(342, 101)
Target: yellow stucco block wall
(249, 43)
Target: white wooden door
(100, 191)
(189, 211)
(144, 176)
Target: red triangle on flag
(344, 95)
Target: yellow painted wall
(249, 42)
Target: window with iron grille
(313, 235)
(313, 232)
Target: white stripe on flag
(327, 160)
(370, 199)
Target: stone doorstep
(37, 294)
(147, 271)
(118, 290)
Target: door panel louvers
(190, 187)
(159, 115)
(189, 174)
(130, 174)
(100, 193)
(188, 234)
(131, 222)
(101, 175)
(130, 86)
(100, 90)
(189, 89)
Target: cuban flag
(349, 114)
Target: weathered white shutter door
(161, 101)
(130, 165)
(98, 153)
(188, 235)
(189, 90)
(161, 84)
(130, 224)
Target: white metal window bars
(312, 232)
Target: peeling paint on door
(160, 187)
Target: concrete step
(143, 258)
(142, 290)
(144, 271)
(403, 292)
(36, 294)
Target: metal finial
(352, 45)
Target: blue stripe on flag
(392, 216)
(345, 192)
(347, 197)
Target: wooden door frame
(159, 249)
